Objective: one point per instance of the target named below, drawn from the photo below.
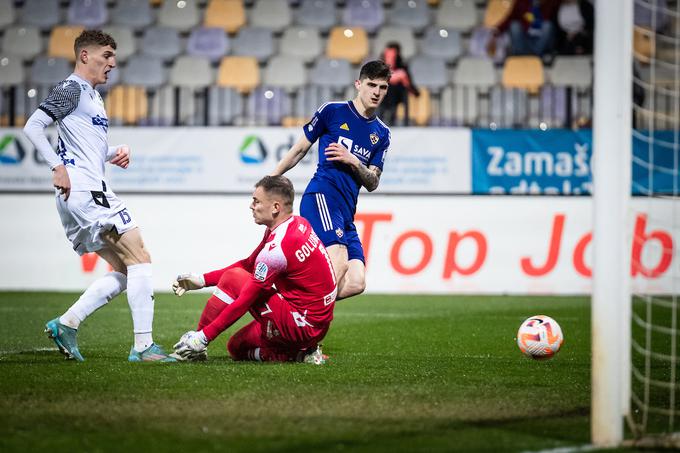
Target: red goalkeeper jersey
(292, 260)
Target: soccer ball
(540, 337)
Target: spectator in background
(400, 85)
(575, 27)
(532, 27)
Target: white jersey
(82, 124)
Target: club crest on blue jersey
(374, 138)
(339, 233)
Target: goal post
(611, 294)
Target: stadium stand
(198, 61)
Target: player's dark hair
(278, 185)
(376, 69)
(92, 37)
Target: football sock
(212, 310)
(140, 299)
(98, 294)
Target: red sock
(212, 310)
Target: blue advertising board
(558, 162)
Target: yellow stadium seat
(230, 15)
(419, 108)
(241, 73)
(61, 41)
(497, 11)
(127, 104)
(350, 43)
(523, 72)
(644, 44)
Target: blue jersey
(366, 138)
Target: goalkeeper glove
(187, 282)
(191, 344)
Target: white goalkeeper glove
(187, 282)
(192, 346)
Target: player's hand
(187, 282)
(61, 181)
(335, 152)
(122, 157)
(191, 344)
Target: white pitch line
(23, 351)
(587, 447)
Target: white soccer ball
(540, 337)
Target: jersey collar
(359, 115)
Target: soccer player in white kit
(94, 218)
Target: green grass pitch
(406, 373)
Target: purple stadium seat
(268, 106)
(553, 105)
(367, 14)
(208, 42)
(89, 13)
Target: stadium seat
(161, 42)
(429, 72)
(43, 14)
(285, 72)
(508, 107)
(414, 14)
(49, 71)
(496, 12)
(255, 42)
(316, 13)
(308, 100)
(88, 13)
(459, 106)
(644, 44)
(211, 43)
(475, 72)
(61, 41)
(402, 35)
(272, 14)
(572, 71)
(132, 13)
(23, 42)
(524, 72)
(125, 41)
(230, 15)
(127, 105)
(267, 106)
(457, 15)
(348, 43)
(367, 14)
(301, 42)
(441, 43)
(182, 15)
(11, 70)
(551, 110)
(191, 71)
(483, 40)
(162, 103)
(144, 70)
(240, 73)
(335, 74)
(7, 13)
(419, 109)
(226, 104)
(652, 14)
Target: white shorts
(88, 214)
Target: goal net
(654, 415)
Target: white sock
(140, 299)
(98, 294)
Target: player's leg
(248, 344)
(338, 255)
(353, 281)
(226, 291)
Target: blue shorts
(332, 222)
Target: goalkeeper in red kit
(287, 284)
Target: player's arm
(119, 155)
(294, 155)
(35, 131)
(369, 177)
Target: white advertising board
(414, 244)
(220, 160)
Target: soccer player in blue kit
(353, 143)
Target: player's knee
(356, 287)
(232, 280)
(237, 347)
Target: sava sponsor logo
(361, 152)
(307, 248)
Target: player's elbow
(371, 187)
